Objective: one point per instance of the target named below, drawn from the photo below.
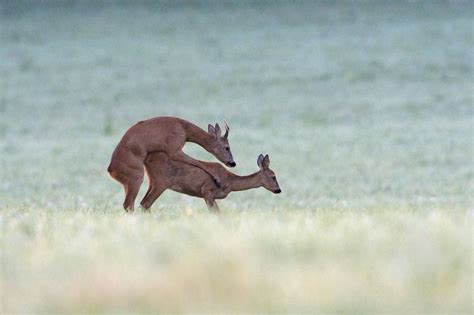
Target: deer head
(267, 176)
(219, 146)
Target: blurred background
(368, 102)
(362, 106)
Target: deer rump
(179, 176)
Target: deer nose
(232, 164)
(278, 191)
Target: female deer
(165, 173)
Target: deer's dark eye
(274, 178)
(227, 149)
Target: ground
(366, 111)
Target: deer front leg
(210, 200)
(212, 205)
(183, 157)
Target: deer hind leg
(154, 191)
(151, 184)
(131, 191)
(132, 185)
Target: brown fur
(168, 135)
(164, 173)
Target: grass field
(366, 109)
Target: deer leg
(128, 172)
(180, 156)
(148, 192)
(154, 192)
(212, 205)
(210, 200)
(131, 191)
(151, 184)
(132, 185)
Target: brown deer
(164, 173)
(167, 135)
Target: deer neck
(239, 183)
(198, 136)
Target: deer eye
(227, 149)
(274, 178)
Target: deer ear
(211, 129)
(218, 130)
(266, 161)
(260, 160)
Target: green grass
(365, 108)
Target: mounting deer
(164, 173)
(167, 135)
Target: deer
(167, 135)
(164, 173)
